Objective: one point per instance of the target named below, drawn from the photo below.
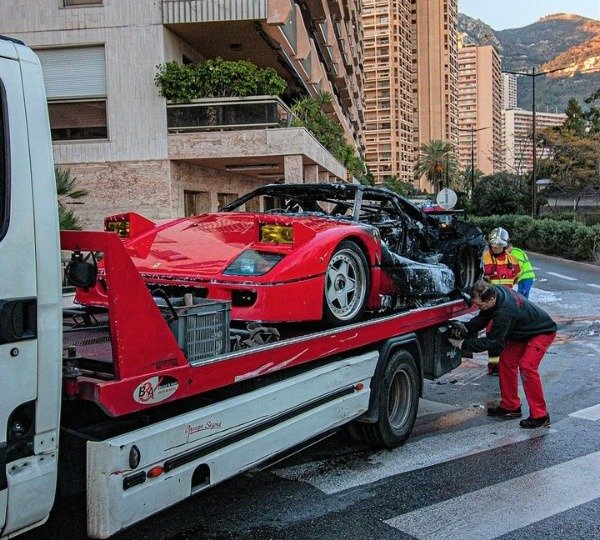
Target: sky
(502, 14)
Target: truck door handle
(18, 319)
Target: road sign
(446, 198)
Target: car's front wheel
(346, 284)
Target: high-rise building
(480, 108)
(435, 69)
(388, 88)
(410, 81)
(509, 91)
(518, 133)
(134, 151)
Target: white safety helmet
(499, 237)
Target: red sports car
(305, 252)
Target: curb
(568, 262)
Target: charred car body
(302, 252)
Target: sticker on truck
(155, 389)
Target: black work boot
(532, 423)
(504, 413)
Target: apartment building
(480, 108)
(509, 91)
(130, 149)
(388, 88)
(410, 82)
(518, 133)
(435, 71)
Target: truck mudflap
(140, 473)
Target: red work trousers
(524, 357)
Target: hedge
(567, 239)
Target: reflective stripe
(502, 270)
(525, 264)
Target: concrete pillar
(324, 177)
(311, 174)
(293, 170)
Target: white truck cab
(30, 295)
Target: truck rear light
(134, 457)
(155, 472)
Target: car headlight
(253, 263)
(276, 234)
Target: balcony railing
(193, 11)
(216, 114)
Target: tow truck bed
(149, 367)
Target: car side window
(4, 163)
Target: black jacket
(514, 318)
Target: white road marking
(501, 508)
(594, 285)
(591, 413)
(562, 276)
(336, 477)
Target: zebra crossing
(487, 512)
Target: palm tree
(436, 161)
(66, 190)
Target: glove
(457, 330)
(456, 343)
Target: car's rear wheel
(346, 284)
(467, 268)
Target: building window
(196, 202)
(68, 3)
(224, 199)
(74, 120)
(75, 81)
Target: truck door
(27, 438)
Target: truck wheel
(397, 403)
(346, 285)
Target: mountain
(561, 40)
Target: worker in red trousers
(499, 268)
(520, 333)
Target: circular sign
(446, 198)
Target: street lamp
(533, 75)
(472, 129)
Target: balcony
(257, 112)
(252, 136)
(194, 11)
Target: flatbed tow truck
(136, 414)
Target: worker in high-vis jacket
(526, 274)
(499, 268)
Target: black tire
(467, 269)
(397, 402)
(346, 285)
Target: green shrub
(181, 83)
(568, 239)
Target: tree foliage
(501, 193)
(310, 113)
(574, 165)
(66, 190)
(436, 161)
(181, 83)
(406, 189)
